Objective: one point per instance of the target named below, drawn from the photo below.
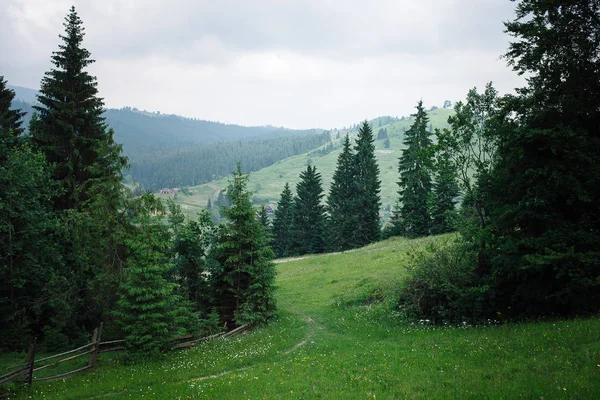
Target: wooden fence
(24, 372)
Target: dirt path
(312, 326)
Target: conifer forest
(153, 226)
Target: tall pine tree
(411, 213)
(245, 282)
(31, 284)
(309, 214)
(282, 223)
(69, 128)
(445, 192)
(70, 131)
(341, 202)
(10, 120)
(547, 192)
(368, 186)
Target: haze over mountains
(174, 151)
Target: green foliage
(10, 119)
(546, 213)
(70, 129)
(368, 186)
(31, 266)
(149, 311)
(441, 285)
(345, 340)
(308, 221)
(193, 268)
(411, 213)
(445, 192)
(282, 223)
(341, 202)
(264, 220)
(245, 279)
(204, 163)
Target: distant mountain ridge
(143, 132)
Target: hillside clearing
(339, 335)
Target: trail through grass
(339, 335)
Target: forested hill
(202, 164)
(141, 132)
(170, 150)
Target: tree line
(77, 248)
(515, 175)
(198, 165)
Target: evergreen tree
(245, 281)
(308, 222)
(386, 143)
(368, 186)
(341, 202)
(70, 128)
(193, 267)
(547, 192)
(149, 311)
(10, 120)
(282, 223)
(411, 214)
(31, 267)
(263, 218)
(445, 192)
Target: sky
(293, 63)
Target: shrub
(443, 286)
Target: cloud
(302, 63)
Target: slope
(268, 182)
(339, 335)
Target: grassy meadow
(268, 183)
(339, 335)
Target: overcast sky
(292, 63)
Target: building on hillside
(270, 209)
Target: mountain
(24, 94)
(267, 183)
(141, 132)
(170, 150)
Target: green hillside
(339, 335)
(268, 182)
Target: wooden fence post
(31, 361)
(93, 349)
(97, 338)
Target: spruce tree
(10, 120)
(69, 128)
(411, 213)
(368, 186)
(263, 218)
(309, 214)
(445, 192)
(245, 281)
(547, 191)
(31, 266)
(149, 310)
(341, 202)
(70, 131)
(282, 223)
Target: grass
(339, 336)
(268, 182)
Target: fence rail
(24, 372)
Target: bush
(443, 286)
